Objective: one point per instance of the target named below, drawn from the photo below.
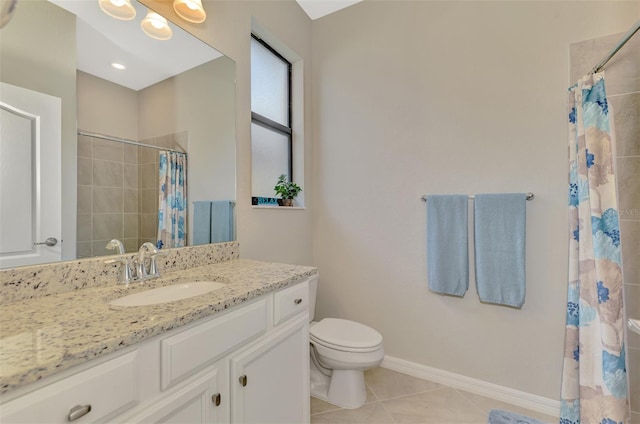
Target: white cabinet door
(270, 380)
(200, 401)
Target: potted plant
(287, 190)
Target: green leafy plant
(286, 189)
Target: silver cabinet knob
(51, 241)
(78, 411)
(243, 380)
(297, 301)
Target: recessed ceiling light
(118, 66)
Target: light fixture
(7, 9)
(156, 26)
(119, 9)
(118, 66)
(190, 10)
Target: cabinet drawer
(107, 390)
(290, 301)
(189, 351)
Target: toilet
(341, 350)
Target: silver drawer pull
(51, 241)
(297, 301)
(79, 411)
(216, 399)
(243, 380)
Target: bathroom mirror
(178, 94)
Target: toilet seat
(345, 335)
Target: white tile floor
(396, 398)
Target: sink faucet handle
(153, 267)
(127, 273)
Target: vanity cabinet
(247, 365)
(94, 394)
(197, 402)
(270, 380)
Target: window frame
(267, 123)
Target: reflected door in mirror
(30, 184)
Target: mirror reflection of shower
(118, 190)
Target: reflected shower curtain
(594, 378)
(172, 200)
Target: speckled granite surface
(48, 334)
(29, 282)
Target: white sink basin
(634, 325)
(168, 293)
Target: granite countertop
(42, 336)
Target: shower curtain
(172, 200)
(594, 378)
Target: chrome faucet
(136, 269)
(116, 244)
(142, 272)
(127, 272)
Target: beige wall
(201, 102)
(414, 98)
(38, 52)
(622, 79)
(265, 234)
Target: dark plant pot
(287, 202)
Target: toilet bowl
(341, 350)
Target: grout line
(461, 393)
(416, 393)
(387, 411)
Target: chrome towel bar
(530, 196)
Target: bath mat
(498, 416)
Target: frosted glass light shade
(190, 10)
(7, 8)
(119, 9)
(156, 26)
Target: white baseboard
(472, 385)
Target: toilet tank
(313, 291)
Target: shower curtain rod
(530, 196)
(617, 47)
(125, 141)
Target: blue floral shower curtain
(594, 379)
(172, 200)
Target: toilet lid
(345, 334)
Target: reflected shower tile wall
(118, 192)
(101, 194)
(622, 76)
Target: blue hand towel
(500, 223)
(221, 221)
(497, 416)
(201, 222)
(447, 244)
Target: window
(271, 133)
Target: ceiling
(319, 8)
(102, 40)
